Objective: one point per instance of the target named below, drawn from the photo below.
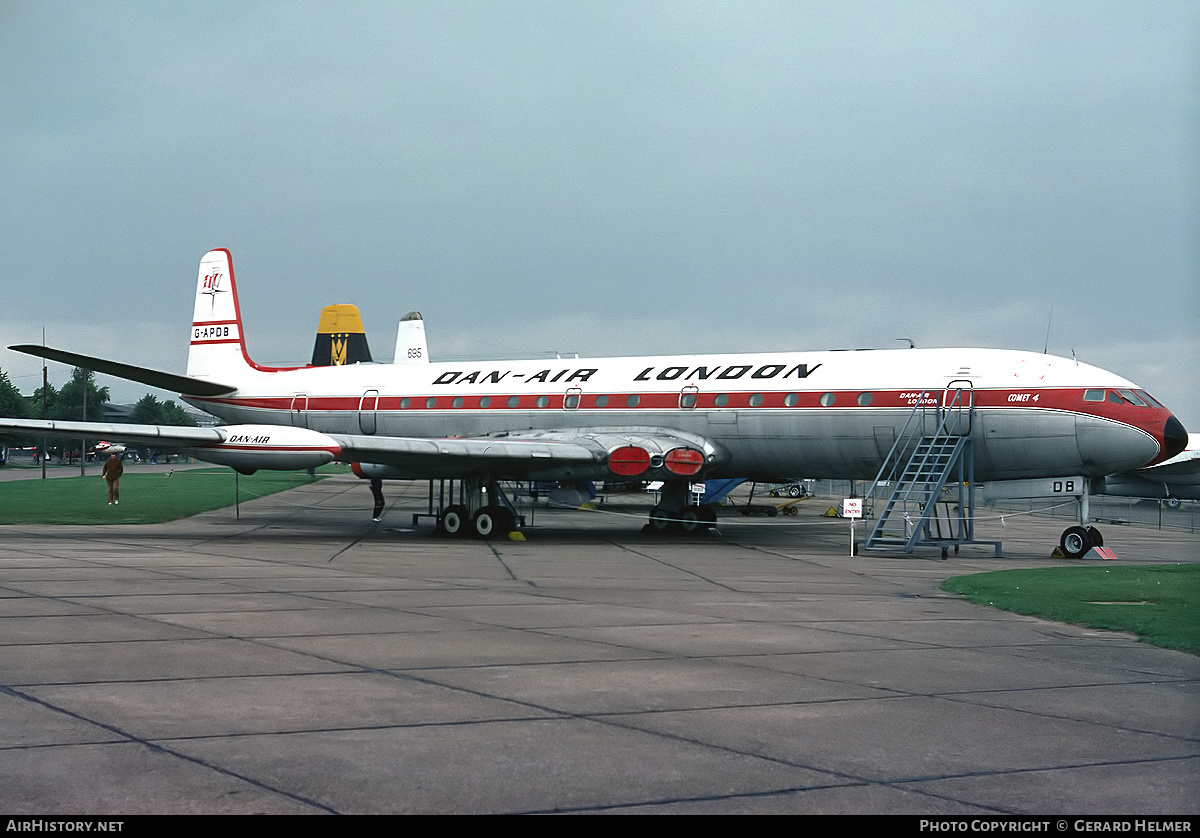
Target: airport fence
(1143, 512)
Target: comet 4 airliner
(678, 419)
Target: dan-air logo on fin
(212, 286)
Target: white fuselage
(775, 415)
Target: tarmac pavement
(305, 660)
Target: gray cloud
(659, 177)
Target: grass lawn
(1158, 603)
(145, 498)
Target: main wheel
(1075, 542)
(491, 522)
(660, 521)
(689, 519)
(708, 516)
(483, 522)
(1095, 539)
(454, 520)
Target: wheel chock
(516, 536)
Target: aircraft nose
(1110, 447)
(1175, 437)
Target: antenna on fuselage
(1049, 320)
(911, 345)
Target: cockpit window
(1125, 397)
(1153, 402)
(1093, 395)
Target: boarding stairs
(924, 493)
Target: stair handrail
(894, 461)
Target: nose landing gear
(1076, 541)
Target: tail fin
(341, 338)
(217, 347)
(410, 340)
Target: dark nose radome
(1175, 438)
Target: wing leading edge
(161, 435)
(582, 453)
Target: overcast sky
(609, 177)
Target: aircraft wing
(560, 454)
(143, 375)
(157, 435)
(1169, 470)
(582, 453)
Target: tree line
(68, 403)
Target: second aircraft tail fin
(341, 338)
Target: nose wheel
(1076, 541)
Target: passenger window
(827, 399)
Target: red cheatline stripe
(272, 448)
(1063, 399)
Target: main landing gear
(1076, 541)
(690, 519)
(484, 513)
(676, 513)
